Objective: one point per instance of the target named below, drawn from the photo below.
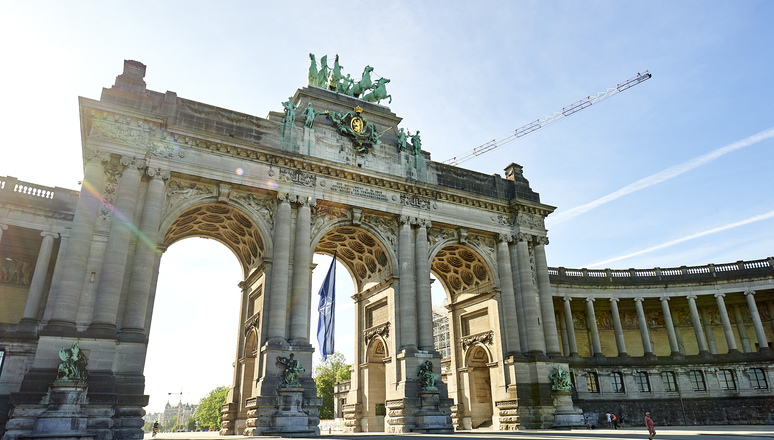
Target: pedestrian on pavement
(609, 420)
(615, 421)
(649, 425)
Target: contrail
(659, 177)
(754, 219)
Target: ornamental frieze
(440, 234)
(297, 177)
(181, 190)
(529, 220)
(483, 338)
(483, 243)
(387, 227)
(263, 205)
(382, 330)
(417, 202)
(324, 213)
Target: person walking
(649, 425)
(615, 421)
(609, 420)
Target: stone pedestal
(566, 415)
(64, 418)
(430, 417)
(289, 420)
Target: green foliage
(191, 425)
(208, 414)
(334, 369)
(147, 427)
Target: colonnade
(699, 320)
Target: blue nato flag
(326, 307)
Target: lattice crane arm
(540, 123)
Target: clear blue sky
(668, 173)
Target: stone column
(742, 329)
(617, 327)
(670, 328)
(62, 320)
(770, 306)
(726, 322)
(2, 228)
(696, 321)
(713, 348)
(300, 295)
(278, 313)
(763, 343)
(510, 320)
(563, 332)
(32, 307)
(111, 278)
(591, 318)
(546, 297)
(570, 326)
(536, 342)
(146, 254)
(424, 294)
(647, 347)
(516, 280)
(407, 305)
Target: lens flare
(272, 184)
(240, 171)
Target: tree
(334, 369)
(208, 414)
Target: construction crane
(179, 404)
(540, 123)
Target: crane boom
(540, 123)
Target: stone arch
(480, 409)
(375, 389)
(229, 225)
(461, 268)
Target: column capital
(424, 223)
(132, 162)
(720, 295)
(96, 156)
(541, 240)
(157, 173)
(307, 201)
(691, 296)
(47, 233)
(749, 292)
(590, 300)
(664, 298)
(507, 238)
(523, 236)
(407, 220)
(567, 298)
(612, 300)
(639, 299)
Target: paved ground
(735, 432)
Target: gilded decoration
(579, 320)
(604, 320)
(629, 319)
(16, 269)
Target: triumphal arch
(330, 172)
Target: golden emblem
(356, 124)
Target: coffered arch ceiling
(225, 224)
(461, 270)
(360, 251)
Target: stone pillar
(62, 320)
(146, 255)
(591, 318)
(570, 326)
(278, 312)
(111, 278)
(32, 307)
(763, 343)
(647, 347)
(546, 297)
(617, 327)
(407, 305)
(536, 342)
(2, 228)
(510, 319)
(300, 295)
(670, 328)
(516, 280)
(563, 332)
(713, 348)
(424, 294)
(726, 322)
(696, 321)
(742, 329)
(770, 306)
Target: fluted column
(62, 320)
(424, 294)
(696, 321)
(617, 327)
(730, 341)
(763, 343)
(278, 313)
(146, 253)
(510, 321)
(591, 318)
(2, 228)
(39, 277)
(546, 297)
(647, 347)
(536, 342)
(670, 328)
(114, 263)
(742, 329)
(300, 296)
(570, 326)
(407, 305)
(713, 348)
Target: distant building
(441, 340)
(170, 413)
